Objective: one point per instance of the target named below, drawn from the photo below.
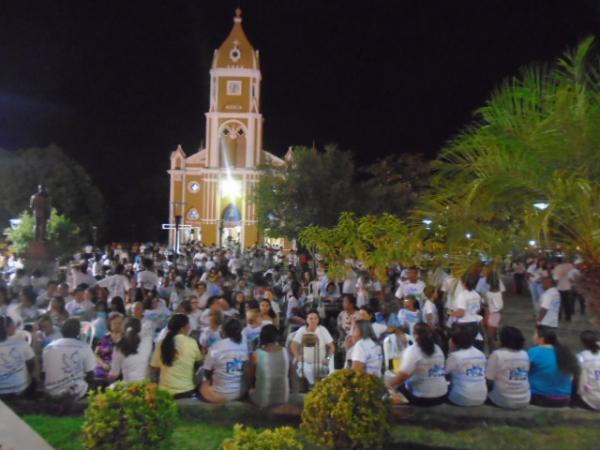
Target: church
(211, 190)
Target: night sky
(118, 84)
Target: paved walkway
(518, 312)
(16, 434)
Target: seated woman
(104, 349)
(366, 313)
(588, 385)
(131, 354)
(366, 353)
(466, 370)
(175, 358)
(507, 371)
(224, 366)
(346, 318)
(267, 314)
(422, 375)
(57, 311)
(212, 333)
(16, 361)
(268, 370)
(553, 367)
(409, 315)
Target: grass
(64, 433)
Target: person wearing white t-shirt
(467, 305)
(307, 358)
(549, 305)
(117, 285)
(68, 364)
(366, 353)
(421, 379)
(494, 304)
(16, 360)
(412, 285)
(131, 355)
(366, 313)
(507, 371)
(451, 288)
(224, 365)
(588, 384)
(147, 279)
(466, 369)
(80, 307)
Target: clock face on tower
(194, 187)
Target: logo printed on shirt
(436, 371)
(475, 371)
(597, 374)
(71, 363)
(518, 374)
(12, 362)
(236, 365)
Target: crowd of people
(220, 325)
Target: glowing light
(532, 243)
(231, 188)
(468, 235)
(541, 205)
(427, 222)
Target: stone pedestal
(38, 256)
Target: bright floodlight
(468, 235)
(231, 188)
(532, 243)
(427, 221)
(541, 205)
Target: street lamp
(541, 205)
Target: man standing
(550, 302)
(562, 275)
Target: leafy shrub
(346, 411)
(134, 416)
(245, 438)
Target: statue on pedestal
(40, 207)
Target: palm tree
(536, 140)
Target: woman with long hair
(588, 384)
(57, 311)
(224, 365)
(366, 353)
(507, 371)
(267, 315)
(553, 368)
(268, 370)
(175, 358)
(421, 379)
(131, 354)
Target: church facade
(211, 190)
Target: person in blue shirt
(553, 367)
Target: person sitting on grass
(422, 375)
(131, 354)
(507, 371)
(224, 365)
(553, 368)
(588, 384)
(16, 361)
(175, 358)
(68, 364)
(366, 353)
(268, 370)
(466, 370)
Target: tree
(313, 188)
(395, 184)
(64, 237)
(528, 168)
(71, 189)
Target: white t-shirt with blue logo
(509, 370)
(14, 352)
(408, 319)
(467, 371)
(65, 363)
(589, 379)
(427, 373)
(226, 359)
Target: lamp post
(178, 208)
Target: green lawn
(64, 433)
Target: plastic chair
(88, 332)
(25, 335)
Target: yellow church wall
(209, 233)
(251, 236)
(234, 103)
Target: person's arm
(541, 315)
(458, 313)
(357, 365)
(398, 379)
(294, 347)
(251, 370)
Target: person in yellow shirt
(175, 358)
